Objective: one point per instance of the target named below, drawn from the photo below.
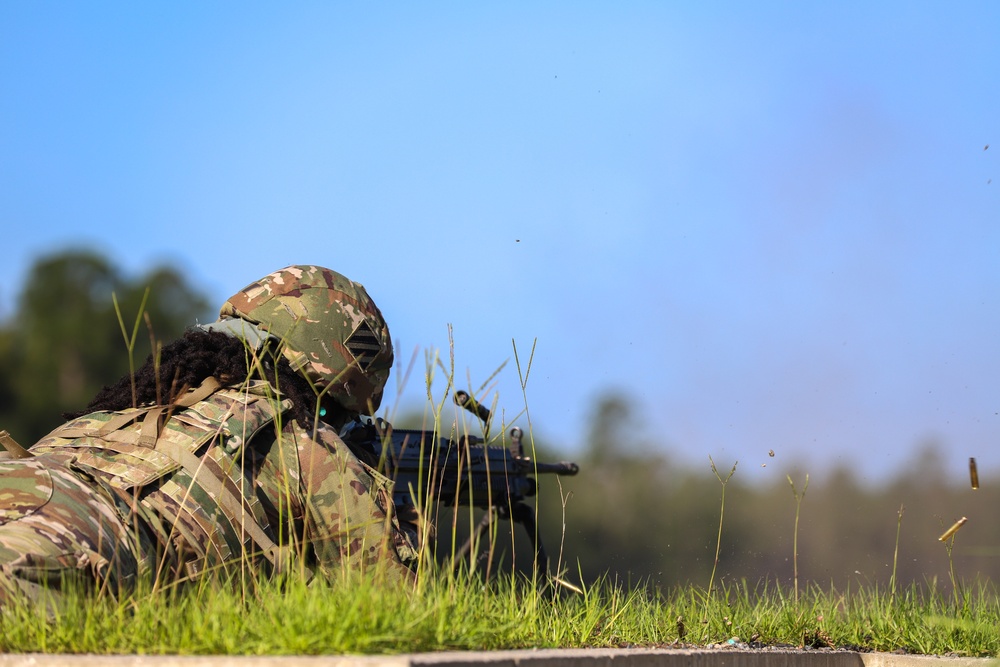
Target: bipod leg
(524, 514)
(483, 524)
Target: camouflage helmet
(330, 330)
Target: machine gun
(428, 468)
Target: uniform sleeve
(349, 512)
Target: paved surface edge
(522, 658)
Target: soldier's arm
(349, 513)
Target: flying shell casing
(954, 529)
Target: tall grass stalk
(948, 537)
(795, 534)
(949, 546)
(522, 376)
(478, 553)
(130, 338)
(156, 347)
(722, 514)
(895, 554)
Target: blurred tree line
(632, 513)
(63, 342)
(637, 515)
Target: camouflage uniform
(221, 477)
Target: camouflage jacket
(222, 477)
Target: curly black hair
(200, 354)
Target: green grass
(464, 613)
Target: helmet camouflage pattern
(330, 330)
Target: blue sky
(772, 224)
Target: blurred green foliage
(64, 341)
(643, 517)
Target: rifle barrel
(560, 468)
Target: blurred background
(721, 229)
